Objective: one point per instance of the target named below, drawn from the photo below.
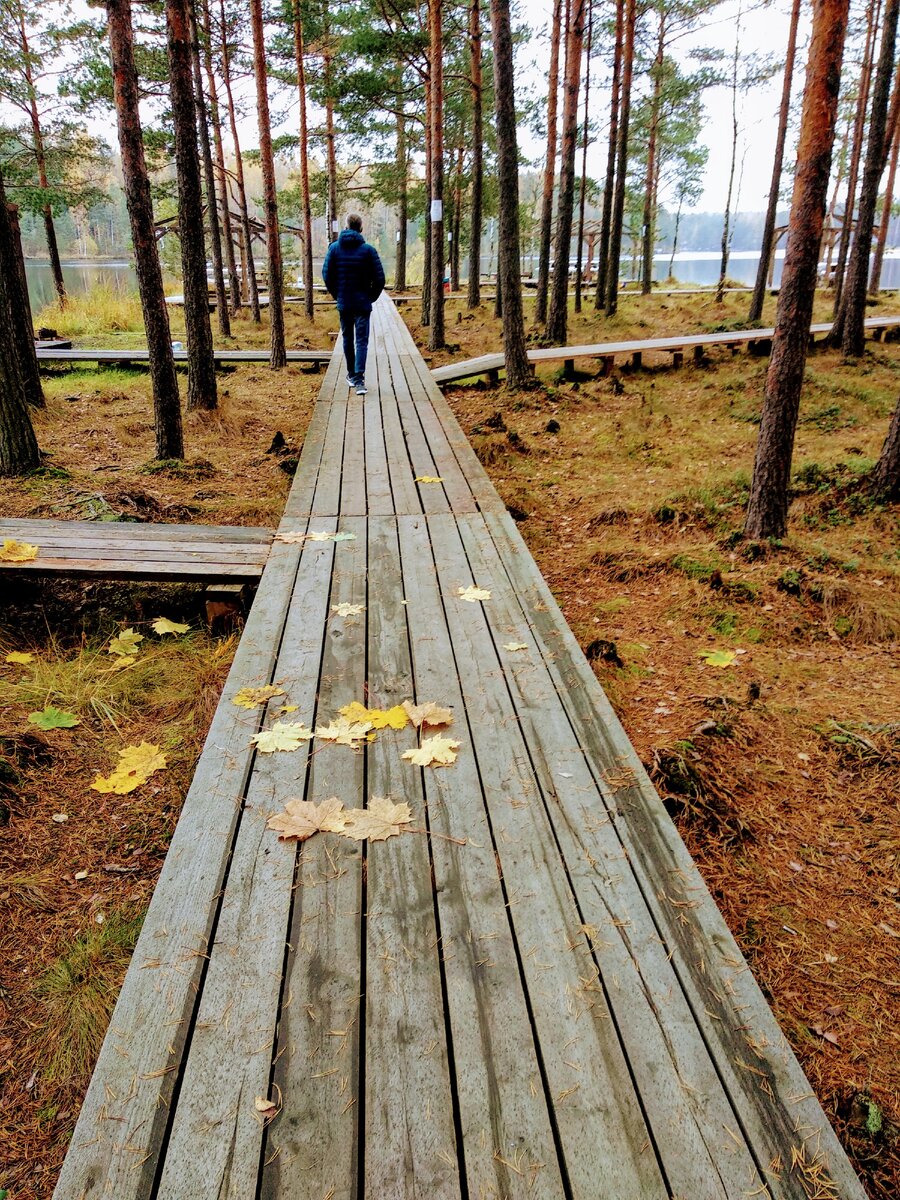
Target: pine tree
(234, 283)
(474, 297)
(618, 207)
(543, 279)
(436, 152)
(609, 183)
(300, 58)
(18, 445)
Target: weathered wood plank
(353, 471)
(327, 498)
(115, 531)
(136, 568)
(403, 487)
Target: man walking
(354, 275)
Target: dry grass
(100, 311)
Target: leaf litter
(136, 765)
(383, 818)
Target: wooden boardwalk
(536, 998)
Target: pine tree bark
(457, 222)
(509, 280)
(402, 204)
(300, 58)
(166, 403)
(330, 151)
(475, 69)
(234, 283)
(849, 328)
(557, 317)
(618, 208)
(585, 141)
(18, 319)
(543, 279)
(212, 207)
(609, 182)
(886, 476)
(201, 364)
(884, 227)
(726, 223)
(768, 238)
(248, 267)
(426, 249)
(436, 326)
(277, 356)
(768, 507)
(648, 238)
(18, 445)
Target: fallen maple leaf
(266, 1108)
(163, 625)
(282, 736)
(136, 765)
(301, 819)
(17, 552)
(288, 708)
(434, 752)
(429, 479)
(250, 697)
(473, 593)
(378, 718)
(718, 658)
(126, 643)
(20, 657)
(428, 713)
(379, 821)
(344, 732)
(53, 718)
(515, 646)
(348, 610)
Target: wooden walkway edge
(536, 998)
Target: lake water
(80, 277)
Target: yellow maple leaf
(429, 479)
(250, 697)
(302, 818)
(20, 657)
(473, 593)
(434, 752)
(427, 713)
(288, 708)
(163, 625)
(344, 731)
(379, 821)
(126, 643)
(282, 736)
(378, 718)
(136, 765)
(354, 711)
(17, 552)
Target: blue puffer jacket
(353, 272)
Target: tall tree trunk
(18, 445)
(457, 222)
(849, 327)
(881, 243)
(768, 238)
(582, 194)
(474, 298)
(248, 267)
(17, 319)
(618, 209)
(675, 235)
(234, 284)
(768, 507)
(543, 279)
(859, 133)
(609, 182)
(557, 318)
(215, 232)
(330, 152)
(166, 404)
(509, 281)
(402, 204)
(201, 364)
(300, 57)
(426, 249)
(832, 207)
(436, 328)
(277, 357)
(648, 238)
(726, 223)
(886, 476)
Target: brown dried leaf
(302, 818)
(381, 820)
(428, 713)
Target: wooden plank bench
(491, 364)
(126, 550)
(533, 996)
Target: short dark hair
(354, 222)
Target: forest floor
(780, 767)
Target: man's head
(354, 222)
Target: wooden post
(677, 358)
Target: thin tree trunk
(832, 207)
(474, 298)
(886, 476)
(201, 364)
(278, 357)
(18, 445)
(618, 209)
(768, 238)
(330, 152)
(859, 134)
(726, 223)
(675, 234)
(881, 243)
(234, 284)
(509, 281)
(650, 182)
(426, 248)
(850, 324)
(17, 321)
(543, 279)
(557, 318)
(212, 208)
(248, 266)
(166, 404)
(768, 507)
(457, 222)
(436, 328)
(402, 205)
(609, 182)
(582, 195)
(299, 55)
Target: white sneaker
(351, 381)
(361, 389)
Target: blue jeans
(355, 324)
